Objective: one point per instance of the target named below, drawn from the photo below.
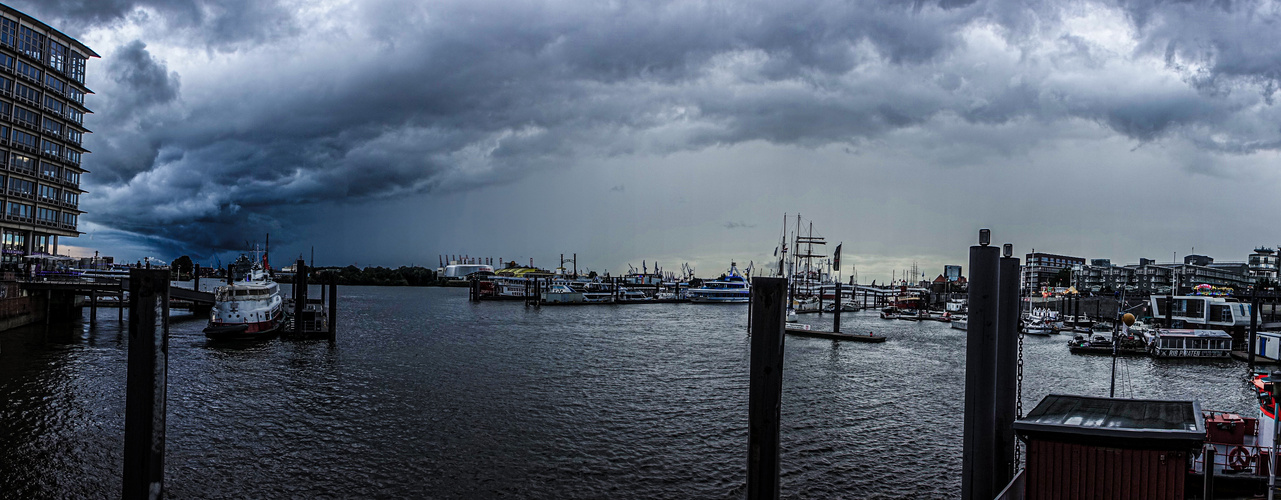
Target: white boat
(1198, 311)
(1190, 343)
(562, 294)
(960, 323)
(1038, 327)
(731, 288)
(249, 306)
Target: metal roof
(1115, 418)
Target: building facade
(42, 93)
(1039, 267)
(1263, 264)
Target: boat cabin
(1167, 343)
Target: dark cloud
(220, 24)
(381, 99)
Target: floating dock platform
(803, 330)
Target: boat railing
(1237, 459)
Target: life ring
(1239, 458)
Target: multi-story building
(1039, 267)
(42, 93)
(1263, 264)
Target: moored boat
(249, 306)
(730, 288)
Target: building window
(73, 156)
(31, 43)
(6, 61)
(25, 115)
(55, 83)
(69, 219)
(49, 192)
(78, 70)
(58, 56)
(47, 215)
(53, 104)
(74, 136)
(70, 176)
(51, 148)
(52, 126)
(48, 169)
(22, 162)
(71, 197)
(20, 186)
(19, 210)
(26, 93)
(8, 32)
(25, 139)
(28, 71)
(75, 116)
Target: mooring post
(196, 277)
(48, 306)
(979, 445)
(145, 385)
(1207, 487)
(836, 312)
(1254, 327)
(820, 300)
(1007, 365)
(333, 307)
(93, 308)
(765, 387)
(300, 295)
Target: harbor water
(426, 395)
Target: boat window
(240, 293)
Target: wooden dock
(803, 330)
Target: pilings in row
(991, 359)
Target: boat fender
(1239, 458)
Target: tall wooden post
(195, 277)
(333, 307)
(1007, 362)
(979, 444)
(93, 308)
(300, 295)
(145, 384)
(765, 387)
(836, 312)
(1254, 327)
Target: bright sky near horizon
(389, 132)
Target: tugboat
(249, 306)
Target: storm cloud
(216, 115)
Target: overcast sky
(388, 132)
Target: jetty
(804, 330)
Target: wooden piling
(979, 444)
(1207, 486)
(765, 387)
(333, 307)
(836, 311)
(1007, 358)
(1254, 328)
(93, 308)
(146, 382)
(195, 277)
(300, 295)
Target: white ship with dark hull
(248, 307)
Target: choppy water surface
(427, 395)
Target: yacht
(730, 288)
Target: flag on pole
(836, 257)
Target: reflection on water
(425, 394)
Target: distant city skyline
(388, 132)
